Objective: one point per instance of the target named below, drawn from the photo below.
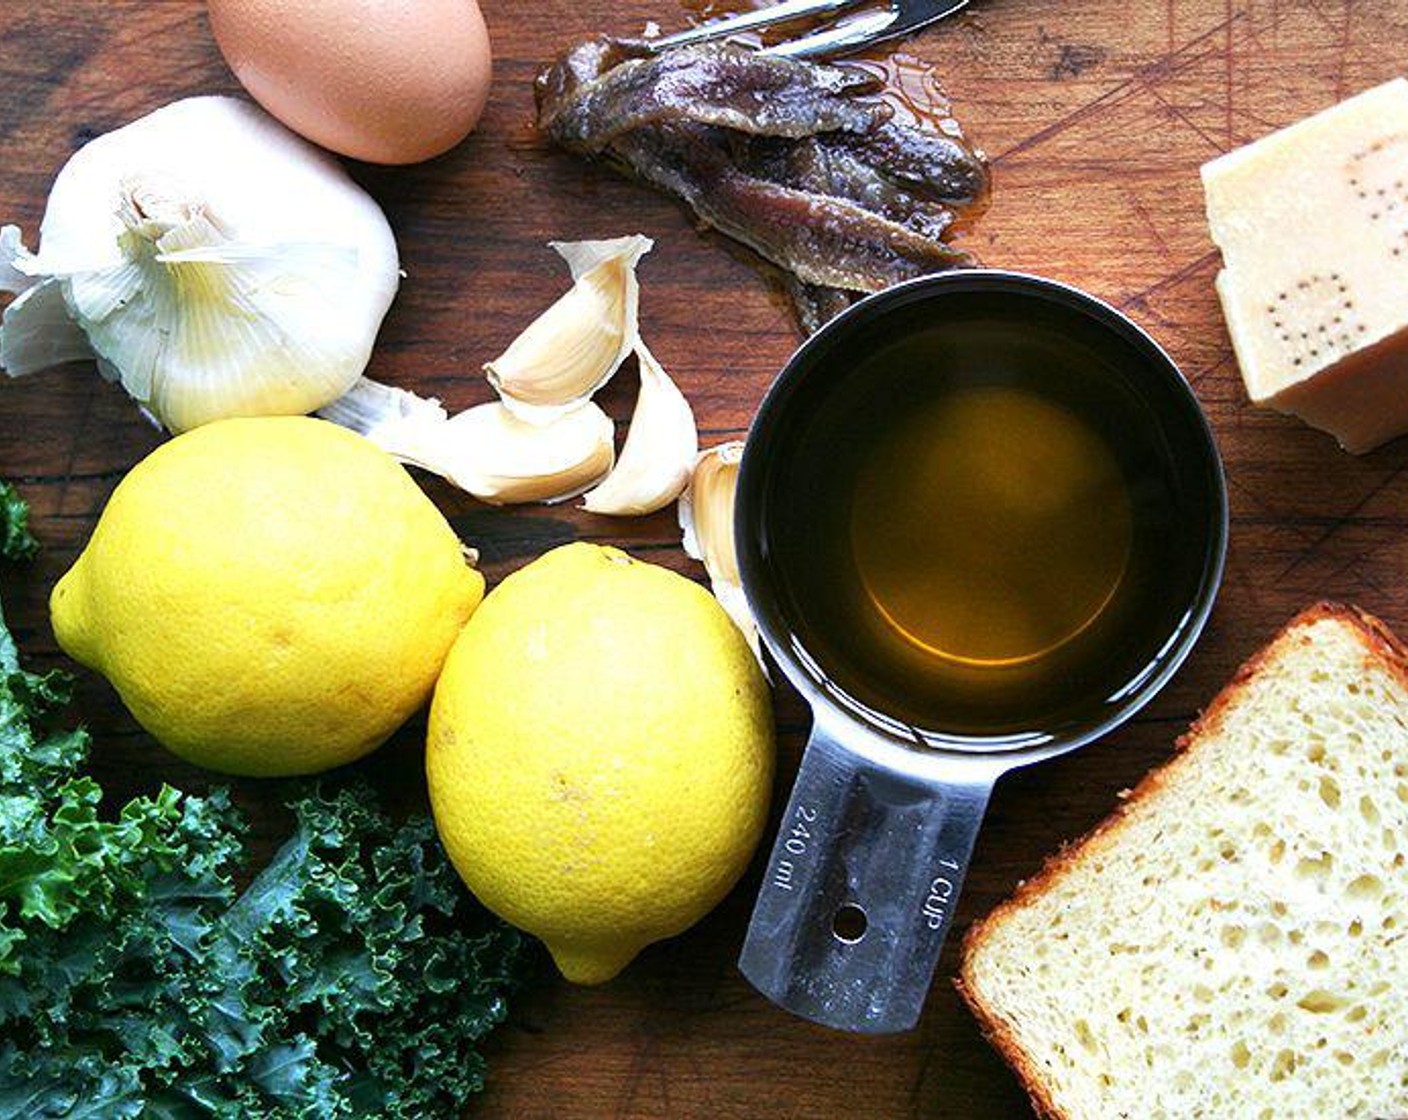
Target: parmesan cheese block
(1312, 222)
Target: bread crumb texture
(1231, 944)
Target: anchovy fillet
(801, 162)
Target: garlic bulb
(486, 450)
(659, 452)
(706, 518)
(569, 351)
(210, 260)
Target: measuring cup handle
(863, 883)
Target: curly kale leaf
(15, 541)
(361, 937)
(101, 920)
(351, 978)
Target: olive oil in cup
(988, 530)
(981, 521)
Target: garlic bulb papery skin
(38, 332)
(658, 456)
(574, 347)
(706, 519)
(212, 261)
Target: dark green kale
(15, 541)
(351, 978)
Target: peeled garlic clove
(574, 347)
(706, 518)
(659, 452)
(503, 460)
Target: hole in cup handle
(849, 923)
(864, 879)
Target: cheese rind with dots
(1312, 222)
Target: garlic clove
(574, 347)
(583, 257)
(659, 452)
(734, 601)
(502, 459)
(706, 519)
(487, 450)
(396, 420)
(706, 510)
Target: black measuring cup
(875, 841)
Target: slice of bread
(1232, 943)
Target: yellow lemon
(600, 755)
(269, 596)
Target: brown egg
(389, 81)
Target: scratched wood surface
(1096, 114)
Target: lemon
(600, 755)
(268, 596)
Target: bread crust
(996, 1031)
(1382, 647)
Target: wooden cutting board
(1096, 115)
